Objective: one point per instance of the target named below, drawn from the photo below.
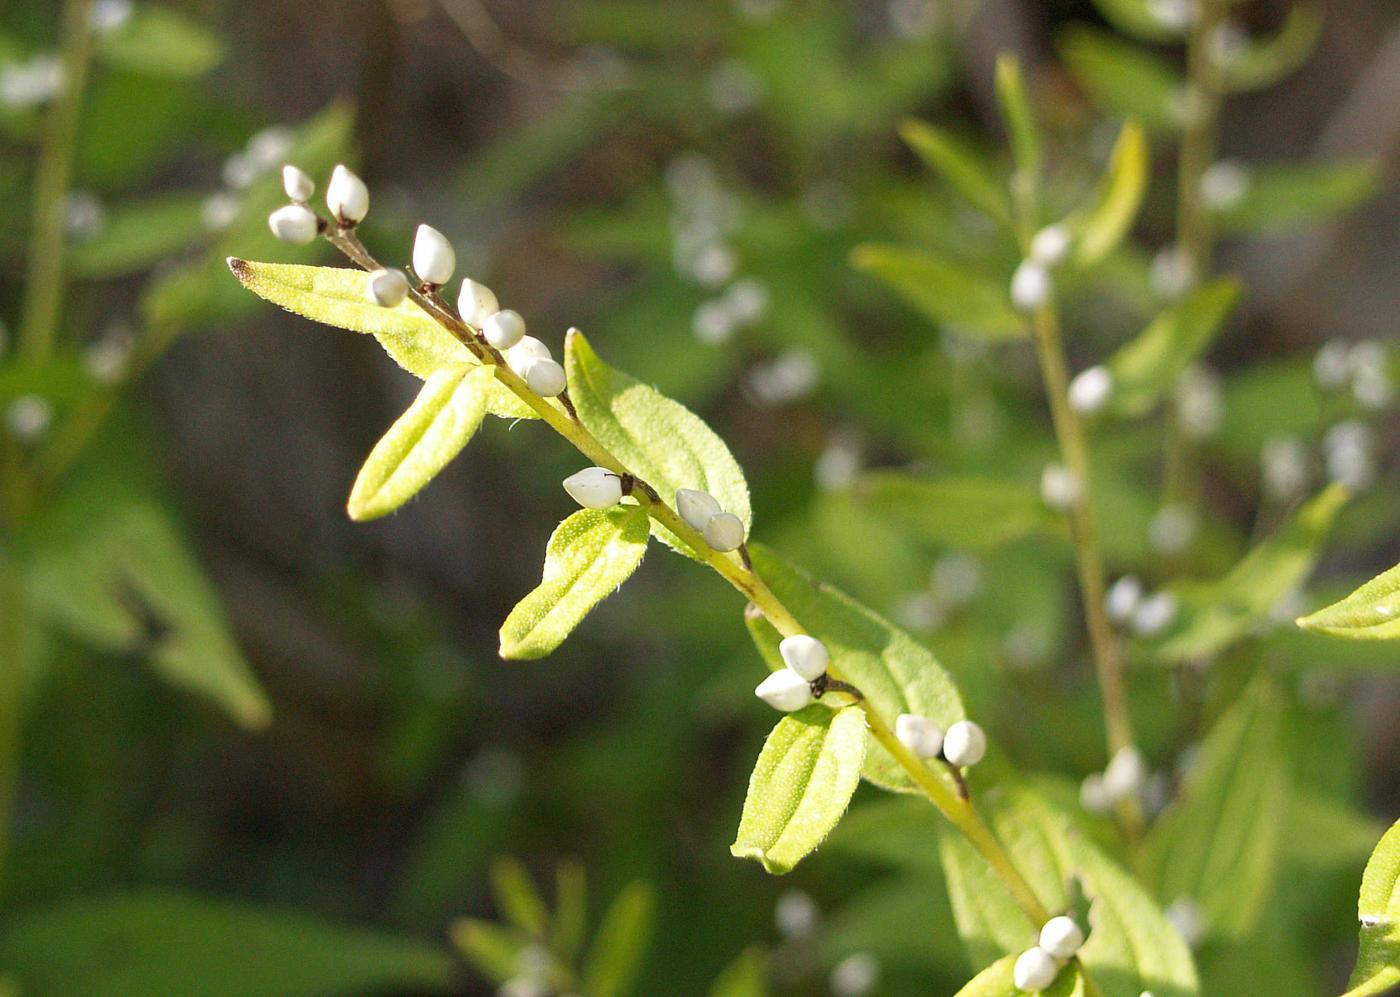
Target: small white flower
(1059, 488)
(785, 690)
(434, 259)
(1332, 364)
(1090, 390)
(1030, 286)
(347, 197)
(855, 975)
(1172, 273)
(1092, 795)
(527, 351)
(1123, 598)
(696, 507)
(27, 417)
(297, 183)
(1125, 775)
(724, 531)
(504, 329)
(796, 915)
(476, 302)
(964, 744)
(805, 655)
(1061, 937)
(594, 488)
(1224, 184)
(1050, 245)
(388, 288)
(545, 378)
(1035, 969)
(294, 223)
(1171, 529)
(1154, 614)
(919, 734)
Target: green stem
(43, 293)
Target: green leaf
(1140, 19)
(422, 441)
(492, 950)
(1132, 946)
(615, 958)
(1123, 78)
(163, 942)
(1103, 225)
(965, 512)
(517, 897)
(746, 976)
(1282, 196)
(570, 921)
(1378, 963)
(157, 41)
(895, 672)
(660, 440)
(589, 556)
(968, 175)
(801, 785)
(1218, 844)
(1259, 64)
(946, 292)
(1020, 118)
(338, 296)
(1372, 612)
(998, 980)
(1215, 614)
(137, 236)
(1149, 367)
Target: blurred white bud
(1123, 597)
(504, 329)
(1050, 245)
(1172, 273)
(297, 183)
(696, 507)
(855, 975)
(714, 265)
(956, 578)
(1092, 795)
(28, 417)
(1059, 487)
(108, 359)
(919, 734)
(388, 288)
(594, 488)
(434, 259)
(1035, 970)
(1125, 775)
(84, 214)
(1188, 919)
(239, 170)
(526, 352)
(1332, 364)
(964, 744)
(1061, 936)
(1030, 286)
(921, 611)
(713, 322)
(785, 690)
(347, 197)
(1091, 389)
(839, 463)
(1224, 184)
(688, 174)
(1285, 467)
(1171, 529)
(747, 300)
(1226, 44)
(1200, 404)
(786, 378)
(1154, 614)
(1373, 388)
(1349, 451)
(806, 655)
(913, 20)
(757, 10)
(1174, 14)
(109, 15)
(1027, 646)
(219, 210)
(476, 303)
(545, 378)
(796, 914)
(25, 85)
(724, 531)
(734, 87)
(294, 223)
(270, 146)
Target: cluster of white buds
(595, 487)
(1091, 389)
(1128, 604)
(25, 85)
(1060, 940)
(1030, 285)
(1051, 245)
(504, 329)
(1123, 780)
(1123, 598)
(964, 744)
(722, 530)
(790, 688)
(1364, 366)
(1060, 488)
(295, 222)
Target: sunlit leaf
(968, 175)
(1110, 217)
(492, 950)
(591, 553)
(1124, 78)
(517, 897)
(1378, 908)
(1259, 63)
(969, 512)
(422, 441)
(947, 292)
(615, 958)
(158, 41)
(801, 785)
(746, 976)
(1277, 197)
(1372, 612)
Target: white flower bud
(347, 197)
(527, 351)
(1155, 614)
(504, 329)
(1030, 286)
(724, 531)
(27, 417)
(1050, 245)
(294, 223)
(1123, 598)
(1171, 529)
(1035, 969)
(297, 184)
(919, 734)
(476, 303)
(1188, 919)
(594, 488)
(1224, 184)
(696, 507)
(796, 915)
(1332, 364)
(545, 378)
(1090, 390)
(1172, 273)
(964, 744)
(785, 690)
(1285, 463)
(1174, 14)
(388, 288)
(855, 975)
(434, 259)
(1061, 937)
(1092, 795)
(805, 655)
(1059, 488)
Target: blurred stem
(12, 638)
(43, 293)
(734, 567)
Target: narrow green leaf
(1018, 114)
(801, 785)
(946, 292)
(746, 976)
(615, 959)
(137, 236)
(492, 950)
(1124, 78)
(1103, 225)
(660, 440)
(517, 897)
(157, 41)
(896, 673)
(1260, 63)
(1215, 614)
(1147, 368)
(1142, 19)
(1372, 612)
(1378, 908)
(162, 942)
(1217, 847)
(589, 556)
(964, 512)
(998, 980)
(570, 921)
(1278, 197)
(422, 441)
(969, 176)
(338, 296)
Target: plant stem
(43, 293)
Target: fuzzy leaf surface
(1372, 612)
(1378, 907)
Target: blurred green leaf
(589, 556)
(968, 175)
(1372, 612)
(1104, 224)
(1217, 846)
(1016, 110)
(570, 920)
(616, 956)
(947, 292)
(519, 901)
(1260, 63)
(959, 512)
(422, 441)
(998, 980)
(492, 950)
(1123, 78)
(746, 976)
(1378, 962)
(1148, 368)
(659, 440)
(137, 236)
(162, 942)
(895, 672)
(801, 785)
(1142, 19)
(158, 41)
(1277, 197)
